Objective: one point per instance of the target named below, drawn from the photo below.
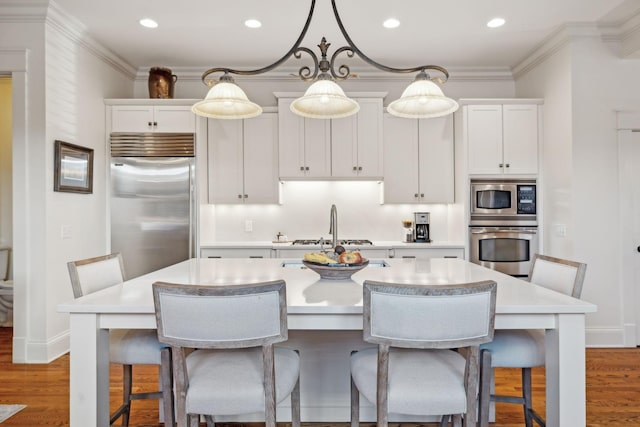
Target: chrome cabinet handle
(415, 195)
(302, 168)
(508, 165)
(421, 194)
(500, 165)
(149, 124)
(355, 168)
(359, 168)
(246, 195)
(239, 196)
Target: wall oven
(503, 226)
(506, 249)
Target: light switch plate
(248, 225)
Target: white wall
(583, 84)
(67, 81)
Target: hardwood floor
(613, 390)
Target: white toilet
(6, 289)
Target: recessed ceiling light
(391, 23)
(495, 23)
(149, 23)
(253, 23)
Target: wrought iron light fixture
(324, 99)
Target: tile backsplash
(305, 210)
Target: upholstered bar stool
(525, 349)
(235, 367)
(6, 288)
(414, 369)
(126, 347)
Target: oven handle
(485, 231)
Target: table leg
(89, 372)
(565, 372)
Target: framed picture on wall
(73, 169)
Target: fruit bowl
(336, 271)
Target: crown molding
(74, 30)
(553, 43)
(23, 11)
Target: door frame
(14, 62)
(628, 132)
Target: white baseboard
(605, 337)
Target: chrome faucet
(333, 225)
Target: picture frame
(73, 168)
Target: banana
(318, 258)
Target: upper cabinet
(418, 160)
(153, 118)
(356, 142)
(347, 148)
(502, 138)
(304, 144)
(243, 157)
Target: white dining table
(325, 323)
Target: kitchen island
(325, 323)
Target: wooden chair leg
(127, 380)
(484, 396)
(355, 405)
(295, 404)
(166, 378)
(526, 395)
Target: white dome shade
(226, 100)
(422, 99)
(324, 99)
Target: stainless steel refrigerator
(152, 208)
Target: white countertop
(308, 294)
(377, 244)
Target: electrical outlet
(248, 225)
(560, 230)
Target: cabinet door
(132, 118)
(484, 138)
(344, 147)
(317, 148)
(290, 141)
(225, 161)
(369, 119)
(520, 134)
(174, 118)
(261, 159)
(400, 160)
(436, 166)
(356, 142)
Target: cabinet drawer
(235, 253)
(428, 253)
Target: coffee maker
(421, 227)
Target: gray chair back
(558, 274)
(417, 316)
(234, 316)
(93, 274)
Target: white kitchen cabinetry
(152, 118)
(368, 253)
(304, 144)
(243, 159)
(356, 142)
(418, 160)
(235, 253)
(427, 253)
(502, 138)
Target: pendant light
(325, 99)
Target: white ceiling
(205, 33)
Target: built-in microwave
(502, 202)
